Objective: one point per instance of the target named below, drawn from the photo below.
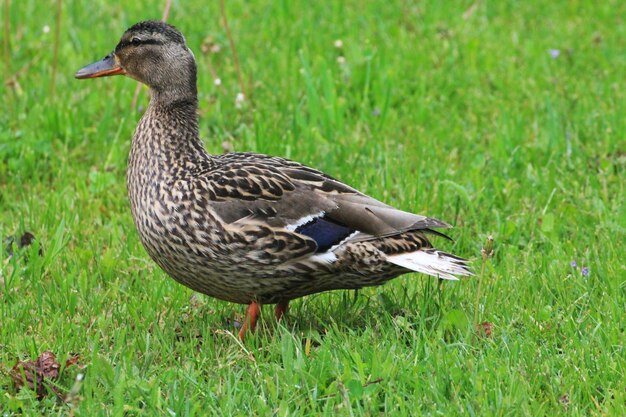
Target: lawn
(504, 118)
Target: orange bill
(105, 67)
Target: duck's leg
(249, 322)
(281, 309)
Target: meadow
(504, 118)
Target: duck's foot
(249, 322)
(281, 309)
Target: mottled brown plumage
(244, 227)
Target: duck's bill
(105, 67)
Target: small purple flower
(376, 112)
(585, 271)
(554, 53)
(574, 263)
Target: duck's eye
(135, 40)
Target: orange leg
(281, 309)
(249, 322)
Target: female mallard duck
(245, 227)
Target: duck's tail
(433, 262)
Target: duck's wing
(281, 210)
(247, 187)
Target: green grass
(452, 109)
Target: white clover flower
(239, 100)
(217, 82)
(338, 44)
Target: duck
(245, 227)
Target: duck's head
(153, 53)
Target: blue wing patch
(325, 232)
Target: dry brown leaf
(485, 329)
(72, 360)
(33, 374)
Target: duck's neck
(177, 94)
(166, 140)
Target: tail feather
(433, 262)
